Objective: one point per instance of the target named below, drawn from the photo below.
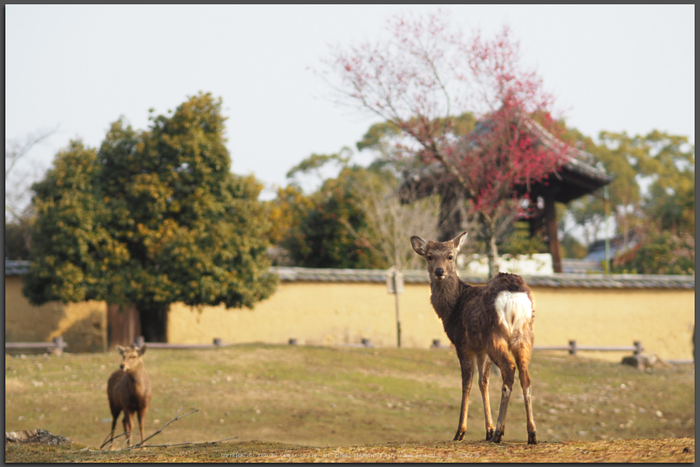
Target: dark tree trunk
(450, 220)
(123, 325)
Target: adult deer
(129, 390)
(485, 324)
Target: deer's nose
(439, 272)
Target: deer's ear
(459, 240)
(142, 350)
(120, 349)
(418, 245)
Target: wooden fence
(573, 348)
(139, 341)
(57, 345)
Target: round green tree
(178, 225)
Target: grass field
(324, 399)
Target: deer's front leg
(128, 422)
(466, 363)
(142, 420)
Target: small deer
(484, 323)
(129, 390)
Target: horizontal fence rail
(139, 342)
(57, 344)
(573, 348)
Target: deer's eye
(430, 258)
(450, 257)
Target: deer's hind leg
(466, 362)
(498, 352)
(522, 360)
(483, 363)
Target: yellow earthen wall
(317, 313)
(82, 325)
(340, 313)
(662, 319)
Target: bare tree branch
(177, 417)
(111, 440)
(17, 186)
(185, 444)
(388, 223)
(16, 150)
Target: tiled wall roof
(617, 281)
(16, 268)
(612, 281)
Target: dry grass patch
(344, 396)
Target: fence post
(139, 341)
(58, 342)
(638, 348)
(572, 347)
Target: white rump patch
(514, 309)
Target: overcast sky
(81, 67)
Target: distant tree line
(652, 204)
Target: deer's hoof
(497, 435)
(532, 438)
(489, 434)
(459, 436)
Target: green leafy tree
(160, 219)
(324, 237)
(17, 243)
(352, 221)
(388, 221)
(587, 214)
(518, 241)
(662, 215)
(315, 162)
(287, 211)
(670, 163)
(71, 248)
(659, 252)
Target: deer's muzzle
(440, 274)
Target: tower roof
(580, 175)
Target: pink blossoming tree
(422, 77)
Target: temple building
(580, 175)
